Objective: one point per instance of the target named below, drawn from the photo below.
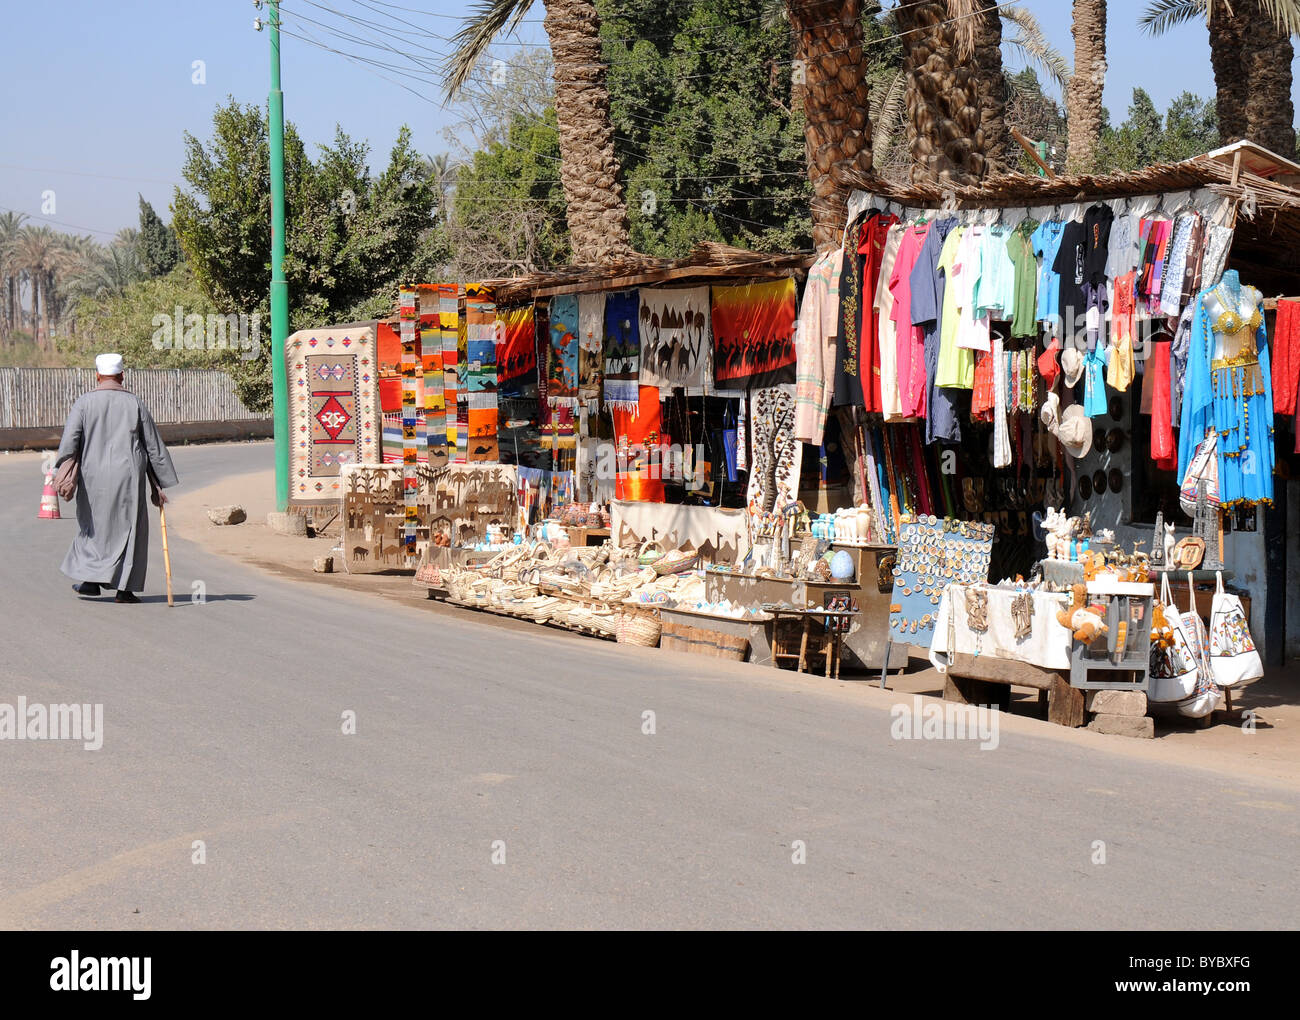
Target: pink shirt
(911, 339)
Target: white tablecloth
(1048, 643)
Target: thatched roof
(708, 261)
(1266, 247)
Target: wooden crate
(703, 641)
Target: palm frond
(477, 31)
(963, 15)
(1162, 15)
(888, 110)
(1285, 14)
(773, 12)
(1031, 42)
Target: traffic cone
(49, 499)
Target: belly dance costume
(1229, 350)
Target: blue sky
(97, 94)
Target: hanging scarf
(562, 376)
(591, 340)
(622, 351)
(676, 345)
(517, 352)
(753, 329)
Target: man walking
(117, 443)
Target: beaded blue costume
(1229, 388)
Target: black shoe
(126, 596)
(87, 589)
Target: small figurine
(1170, 543)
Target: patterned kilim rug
(481, 374)
(333, 408)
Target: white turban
(108, 364)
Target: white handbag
(1207, 695)
(1174, 670)
(1233, 656)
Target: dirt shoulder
(1271, 753)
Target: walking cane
(167, 558)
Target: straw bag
(1174, 670)
(649, 553)
(1233, 656)
(641, 629)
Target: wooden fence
(42, 397)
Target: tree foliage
(156, 246)
(1188, 128)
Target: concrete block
(1117, 702)
(292, 524)
(1124, 725)
(227, 515)
(323, 564)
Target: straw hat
(1075, 431)
(1072, 366)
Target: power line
(58, 223)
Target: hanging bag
(1204, 467)
(1233, 656)
(1207, 695)
(1174, 669)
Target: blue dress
(1233, 396)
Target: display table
(979, 667)
(828, 625)
(865, 644)
(1046, 646)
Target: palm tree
(889, 114)
(830, 72)
(1083, 110)
(597, 211)
(37, 247)
(1251, 52)
(10, 229)
(956, 92)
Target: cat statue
(1170, 542)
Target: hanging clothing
(1094, 382)
(891, 401)
(1217, 242)
(1020, 250)
(1120, 369)
(1178, 351)
(814, 341)
(1171, 291)
(1122, 254)
(848, 353)
(995, 289)
(1162, 430)
(926, 284)
(1286, 356)
(1229, 389)
(871, 251)
(955, 368)
(1001, 433)
(1047, 245)
(1069, 267)
(911, 338)
(971, 326)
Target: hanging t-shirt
(911, 338)
(1072, 303)
(1020, 250)
(871, 249)
(1094, 382)
(1120, 371)
(1096, 242)
(956, 365)
(891, 404)
(927, 282)
(970, 329)
(995, 290)
(1047, 244)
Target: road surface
(223, 742)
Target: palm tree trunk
(36, 305)
(956, 102)
(1083, 97)
(1226, 57)
(1267, 55)
(830, 71)
(597, 211)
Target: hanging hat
(1072, 366)
(1075, 432)
(1047, 366)
(108, 364)
(1050, 415)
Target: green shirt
(1020, 249)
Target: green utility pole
(279, 286)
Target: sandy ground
(1271, 752)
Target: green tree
(1190, 127)
(156, 247)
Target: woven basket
(639, 628)
(649, 553)
(675, 562)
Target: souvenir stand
(1096, 337)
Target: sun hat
(1075, 432)
(1072, 366)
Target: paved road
(223, 724)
